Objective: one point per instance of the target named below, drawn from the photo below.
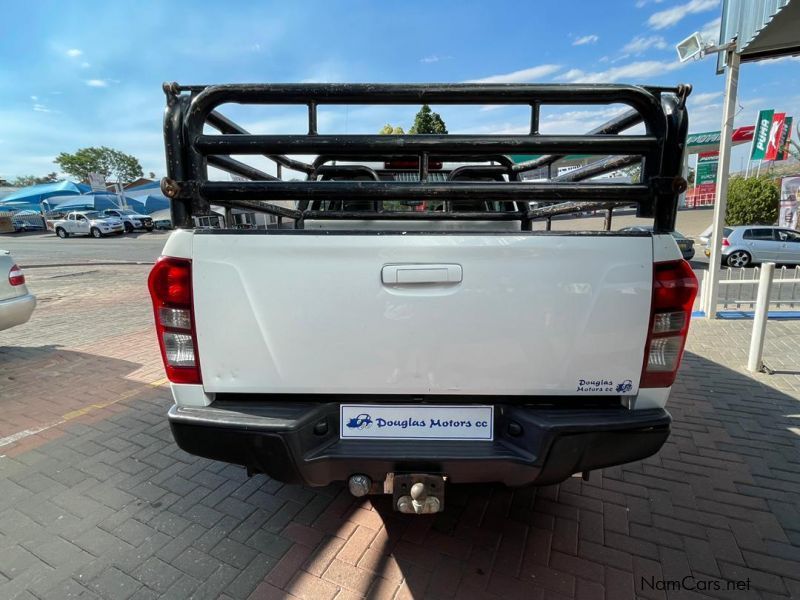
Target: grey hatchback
(746, 245)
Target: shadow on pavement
(113, 507)
(44, 387)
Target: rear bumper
(284, 440)
(16, 311)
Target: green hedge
(752, 201)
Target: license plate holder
(472, 422)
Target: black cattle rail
(659, 151)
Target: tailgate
(366, 313)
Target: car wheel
(149, 229)
(96, 233)
(128, 227)
(62, 233)
(738, 259)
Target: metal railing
(739, 288)
(191, 149)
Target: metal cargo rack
(659, 151)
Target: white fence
(738, 288)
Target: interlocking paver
(113, 583)
(157, 574)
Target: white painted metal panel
(533, 314)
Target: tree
(26, 180)
(117, 165)
(427, 121)
(752, 201)
(389, 130)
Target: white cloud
(671, 16)
(704, 98)
(642, 43)
(710, 31)
(85, 65)
(566, 122)
(634, 70)
(521, 76)
(99, 83)
(34, 98)
(571, 75)
(74, 52)
(434, 58)
(579, 121)
(707, 117)
(782, 59)
(41, 108)
(586, 39)
(643, 3)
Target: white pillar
(754, 362)
(685, 175)
(723, 170)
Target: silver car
(745, 245)
(16, 303)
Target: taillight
(674, 291)
(16, 276)
(170, 285)
(725, 242)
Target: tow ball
(415, 494)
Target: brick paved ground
(102, 503)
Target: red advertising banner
(786, 136)
(775, 136)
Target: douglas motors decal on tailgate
(417, 421)
(604, 386)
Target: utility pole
(720, 206)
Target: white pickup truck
(87, 222)
(402, 344)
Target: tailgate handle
(417, 273)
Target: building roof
(762, 28)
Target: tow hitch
(412, 493)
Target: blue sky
(77, 74)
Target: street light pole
(720, 206)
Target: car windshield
(127, 213)
(93, 215)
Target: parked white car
(130, 219)
(88, 222)
(16, 303)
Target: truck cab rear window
(433, 206)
